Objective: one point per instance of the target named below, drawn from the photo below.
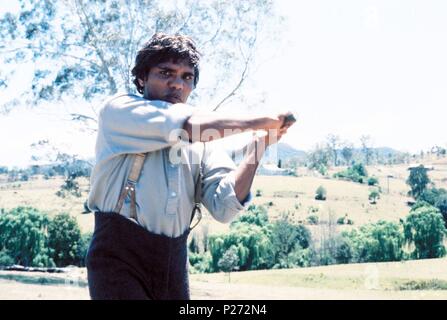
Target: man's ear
(140, 82)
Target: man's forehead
(182, 65)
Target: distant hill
(284, 152)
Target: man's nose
(176, 83)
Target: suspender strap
(129, 188)
(198, 194)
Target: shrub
(5, 259)
(200, 262)
(373, 196)
(356, 173)
(256, 215)
(320, 194)
(312, 219)
(344, 220)
(372, 181)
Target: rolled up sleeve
(218, 194)
(131, 124)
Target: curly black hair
(162, 48)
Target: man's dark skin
(174, 81)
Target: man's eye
(188, 77)
(165, 73)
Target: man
(143, 215)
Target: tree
(366, 148)
(23, 237)
(373, 196)
(229, 261)
(418, 181)
(376, 242)
(333, 142)
(424, 227)
(286, 238)
(85, 48)
(319, 158)
(347, 153)
(65, 240)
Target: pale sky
(344, 67)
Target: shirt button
(173, 194)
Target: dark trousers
(127, 262)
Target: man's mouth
(173, 98)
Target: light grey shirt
(130, 124)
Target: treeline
(335, 152)
(63, 167)
(31, 238)
(254, 243)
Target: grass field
(421, 279)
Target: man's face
(169, 81)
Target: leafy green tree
(229, 261)
(252, 242)
(373, 196)
(65, 240)
(288, 239)
(23, 237)
(319, 159)
(424, 227)
(377, 242)
(418, 181)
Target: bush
(256, 215)
(372, 181)
(258, 193)
(345, 220)
(373, 196)
(312, 219)
(356, 173)
(200, 262)
(5, 259)
(424, 227)
(320, 194)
